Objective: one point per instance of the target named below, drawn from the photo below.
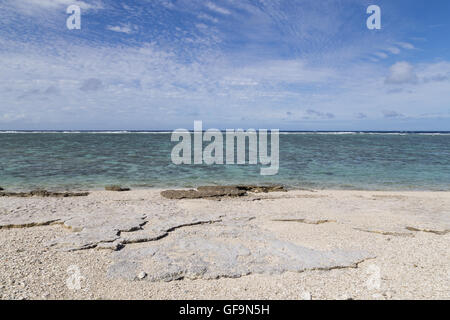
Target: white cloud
(207, 17)
(140, 84)
(217, 9)
(123, 28)
(406, 45)
(393, 50)
(381, 55)
(401, 73)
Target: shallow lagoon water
(339, 160)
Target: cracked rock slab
(160, 228)
(224, 251)
(90, 230)
(86, 239)
(114, 230)
(112, 220)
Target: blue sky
(161, 64)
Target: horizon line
(170, 130)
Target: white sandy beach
(279, 245)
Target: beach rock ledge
(43, 193)
(116, 188)
(203, 192)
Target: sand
(282, 245)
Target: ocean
(76, 160)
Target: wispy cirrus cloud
(406, 45)
(123, 28)
(211, 6)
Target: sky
(274, 64)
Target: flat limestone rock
(90, 230)
(112, 230)
(156, 229)
(224, 251)
(111, 220)
(86, 239)
(87, 230)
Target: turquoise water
(370, 161)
